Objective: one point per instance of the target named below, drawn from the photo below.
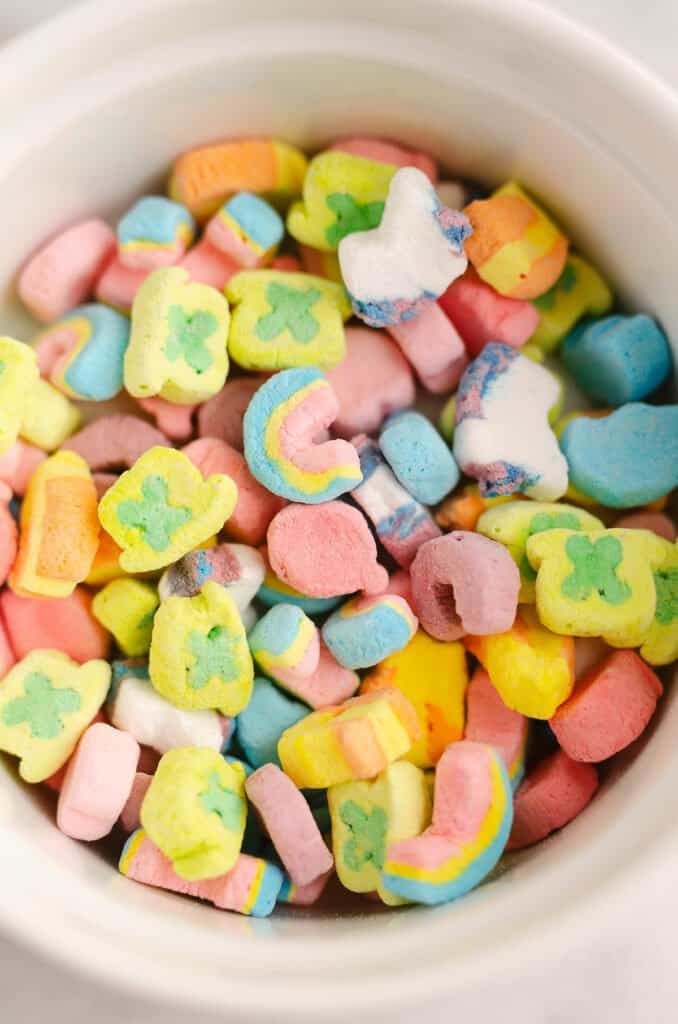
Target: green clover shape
(290, 310)
(666, 585)
(187, 335)
(595, 570)
(41, 706)
(223, 801)
(214, 656)
(157, 520)
(368, 835)
(539, 523)
(565, 283)
(351, 216)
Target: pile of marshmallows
(432, 687)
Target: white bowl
(94, 105)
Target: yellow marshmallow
(531, 668)
(125, 607)
(195, 811)
(598, 583)
(19, 376)
(660, 646)
(355, 740)
(163, 507)
(342, 193)
(433, 676)
(579, 291)
(49, 417)
(283, 320)
(367, 817)
(199, 654)
(177, 346)
(46, 703)
(515, 522)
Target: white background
(630, 981)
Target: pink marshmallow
(290, 824)
(103, 482)
(255, 506)
(98, 782)
(66, 625)
(400, 585)
(372, 381)
(115, 441)
(61, 274)
(287, 262)
(235, 890)
(129, 815)
(208, 265)
(118, 285)
(610, 708)
(9, 533)
(551, 796)
(433, 347)
(488, 720)
(175, 421)
(329, 684)
(482, 315)
(588, 651)
(384, 152)
(19, 463)
(221, 416)
(325, 550)
(656, 522)
(306, 895)
(464, 583)
(7, 656)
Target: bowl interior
(492, 94)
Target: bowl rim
(549, 941)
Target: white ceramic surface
(93, 106)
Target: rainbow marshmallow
(282, 419)
(247, 229)
(472, 817)
(154, 233)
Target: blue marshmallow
(617, 359)
(625, 459)
(264, 720)
(362, 633)
(419, 457)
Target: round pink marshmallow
(372, 381)
(98, 782)
(609, 708)
(384, 152)
(175, 421)
(61, 274)
(129, 815)
(208, 265)
(464, 583)
(656, 522)
(103, 482)
(19, 463)
(433, 347)
(255, 506)
(115, 441)
(482, 315)
(488, 720)
(66, 625)
(551, 796)
(221, 416)
(7, 656)
(289, 822)
(325, 550)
